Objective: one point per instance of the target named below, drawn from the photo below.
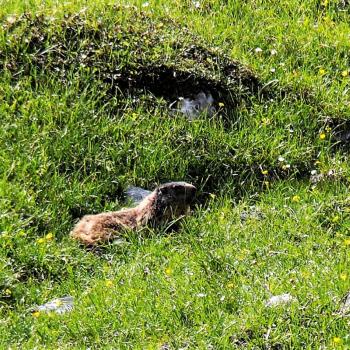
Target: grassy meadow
(85, 90)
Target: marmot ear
(160, 191)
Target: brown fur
(166, 202)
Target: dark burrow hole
(73, 46)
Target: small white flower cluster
(285, 165)
(259, 50)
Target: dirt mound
(133, 58)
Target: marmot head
(173, 199)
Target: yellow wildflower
(8, 291)
(109, 283)
(265, 121)
(36, 314)
(49, 236)
(296, 198)
(321, 72)
(221, 104)
(337, 340)
(230, 285)
(347, 242)
(322, 136)
(343, 276)
(264, 172)
(305, 274)
(345, 73)
(41, 240)
(243, 254)
(168, 271)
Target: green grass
(84, 113)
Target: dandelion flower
(36, 314)
(230, 285)
(322, 136)
(49, 236)
(168, 271)
(343, 276)
(296, 198)
(345, 73)
(305, 274)
(321, 72)
(41, 240)
(109, 283)
(264, 172)
(337, 340)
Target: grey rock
(136, 194)
(58, 305)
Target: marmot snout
(168, 201)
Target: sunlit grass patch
(270, 165)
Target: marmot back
(167, 202)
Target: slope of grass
(84, 106)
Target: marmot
(166, 202)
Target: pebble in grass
(192, 108)
(58, 305)
(136, 194)
(252, 212)
(280, 300)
